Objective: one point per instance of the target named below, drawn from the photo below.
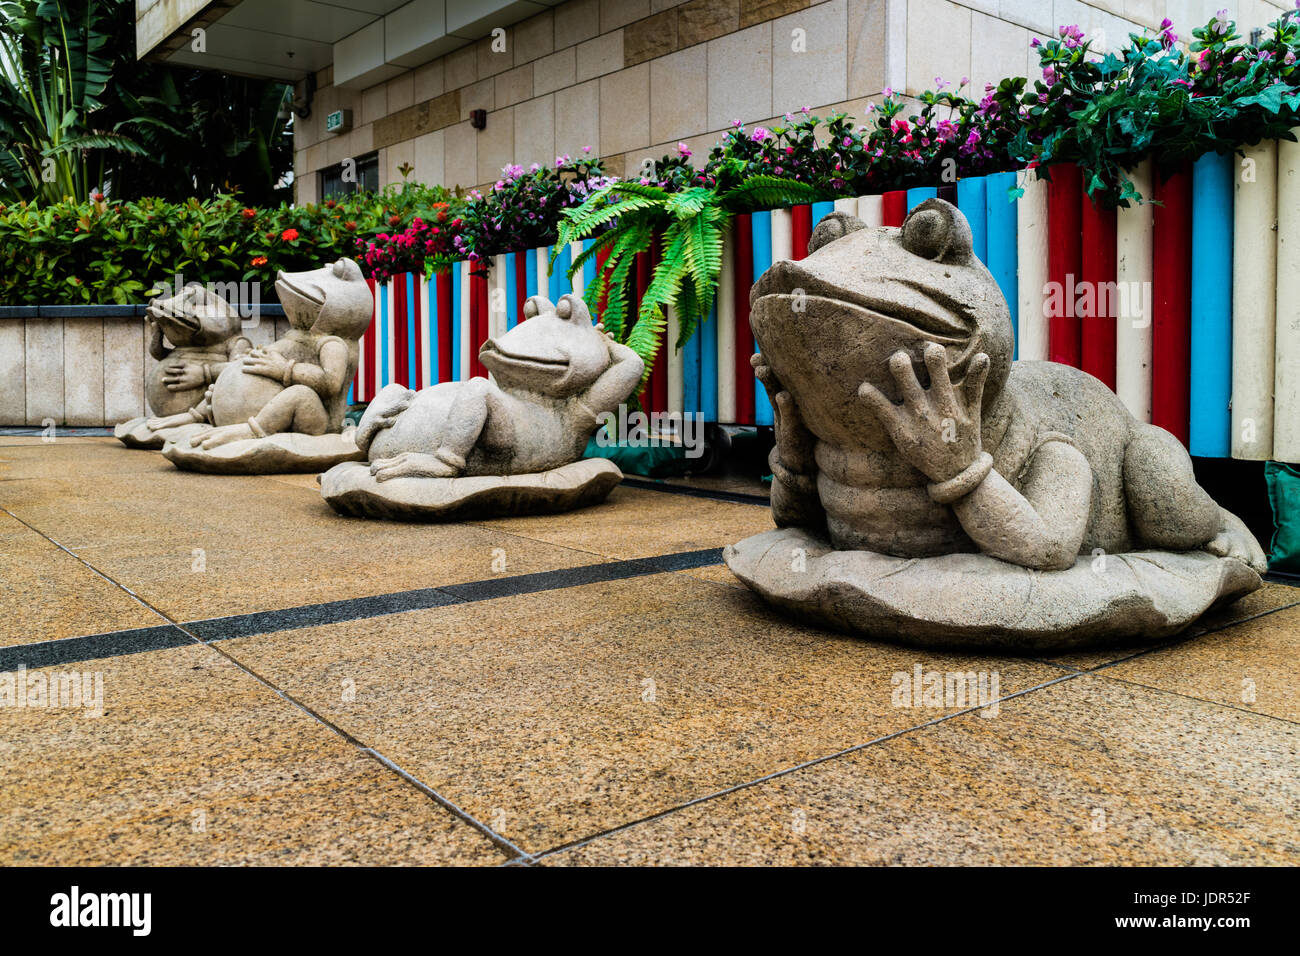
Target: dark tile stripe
(737, 496)
(74, 650)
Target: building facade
(392, 88)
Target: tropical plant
(627, 219)
(56, 61)
(205, 133)
(104, 251)
(521, 210)
(1154, 99)
(80, 114)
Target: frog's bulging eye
(531, 310)
(925, 234)
(833, 226)
(339, 269)
(565, 309)
(936, 230)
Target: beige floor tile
(1251, 665)
(200, 546)
(49, 594)
(633, 523)
(186, 738)
(1087, 771)
(72, 458)
(562, 714)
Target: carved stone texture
(194, 335)
(553, 376)
(1027, 506)
(296, 386)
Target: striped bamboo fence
(1189, 310)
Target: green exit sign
(340, 121)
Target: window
(332, 182)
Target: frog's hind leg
(296, 409)
(391, 401)
(1167, 509)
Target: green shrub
(104, 252)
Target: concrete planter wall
(85, 365)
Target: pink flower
(759, 134)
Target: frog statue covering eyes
(928, 489)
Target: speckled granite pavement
(267, 682)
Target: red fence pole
(1064, 262)
(1098, 275)
(1171, 329)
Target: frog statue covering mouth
(928, 489)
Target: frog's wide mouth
(936, 325)
(491, 353)
(930, 312)
(187, 321)
(309, 293)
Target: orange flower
(289, 235)
(259, 260)
(249, 213)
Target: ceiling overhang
(367, 41)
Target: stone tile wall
(631, 78)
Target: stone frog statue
(908, 437)
(553, 375)
(298, 383)
(203, 332)
(280, 408)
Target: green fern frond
(640, 189)
(769, 192)
(593, 247)
(645, 338)
(689, 203)
(615, 314)
(582, 227)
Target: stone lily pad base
(975, 601)
(284, 453)
(351, 490)
(136, 434)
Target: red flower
(349, 225)
(249, 213)
(259, 260)
(394, 220)
(289, 235)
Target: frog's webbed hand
(938, 432)
(795, 502)
(157, 347)
(183, 376)
(618, 381)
